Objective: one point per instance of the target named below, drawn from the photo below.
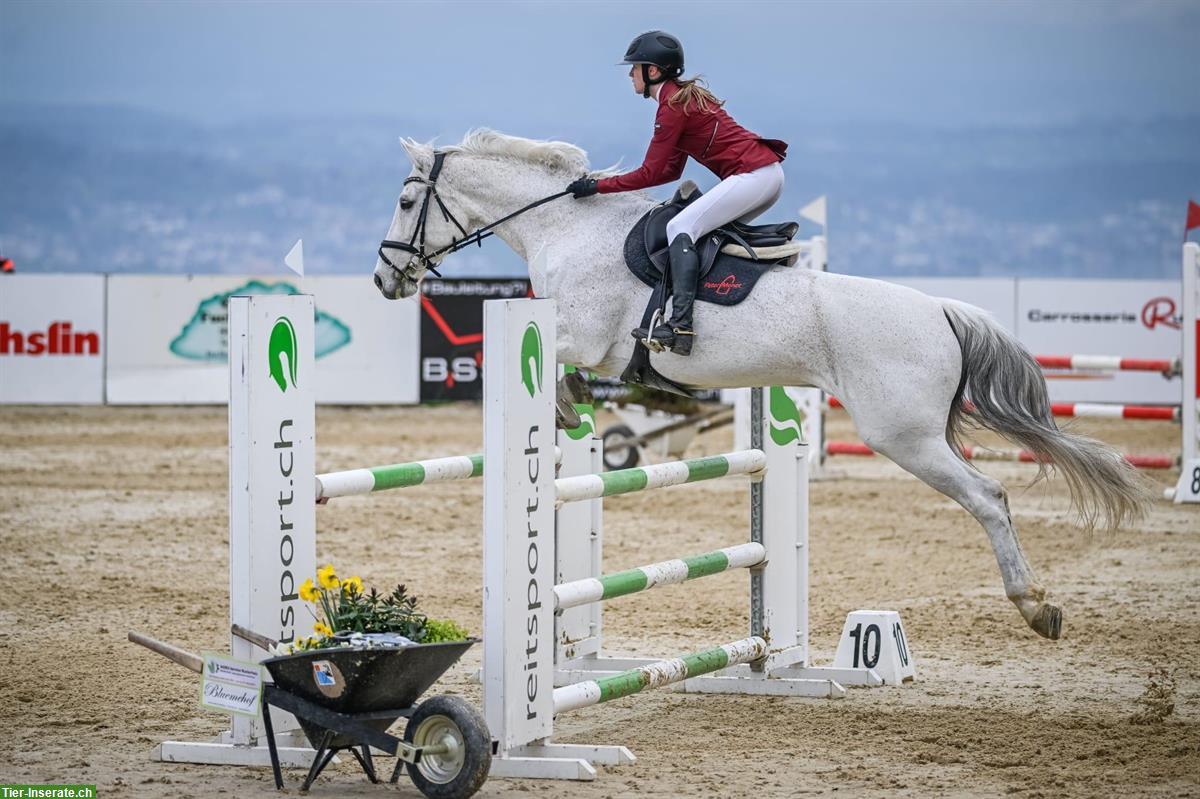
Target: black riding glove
(584, 187)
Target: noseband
(419, 259)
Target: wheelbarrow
(345, 699)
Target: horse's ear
(421, 155)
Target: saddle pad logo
(531, 359)
(726, 285)
(282, 344)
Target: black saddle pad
(724, 279)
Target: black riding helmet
(660, 49)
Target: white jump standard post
(272, 510)
(1188, 488)
(539, 635)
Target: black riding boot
(677, 334)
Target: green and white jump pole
(640, 478)
(398, 475)
(669, 572)
(656, 675)
(353, 482)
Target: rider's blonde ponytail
(693, 95)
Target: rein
(416, 249)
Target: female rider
(691, 121)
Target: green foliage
(373, 612)
(345, 607)
(438, 630)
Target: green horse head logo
(587, 417)
(787, 423)
(531, 359)
(282, 344)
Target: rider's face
(635, 75)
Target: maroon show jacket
(712, 138)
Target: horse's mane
(559, 156)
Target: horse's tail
(1006, 387)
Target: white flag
(815, 211)
(295, 258)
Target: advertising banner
(1127, 318)
(452, 334)
(52, 340)
(169, 338)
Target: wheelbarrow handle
(183, 657)
(258, 639)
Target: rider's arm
(664, 161)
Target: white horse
(902, 363)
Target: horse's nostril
(378, 282)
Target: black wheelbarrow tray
(346, 698)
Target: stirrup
(649, 342)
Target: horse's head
(491, 177)
(424, 227)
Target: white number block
(1188, 489)
(875, 639)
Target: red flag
(1193, 218)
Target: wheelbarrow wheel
(454, 724)
(615, 455)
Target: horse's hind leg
(925, 454)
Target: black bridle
(420, 259)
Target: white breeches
(737, 197)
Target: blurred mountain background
(950, 138)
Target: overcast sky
(528, 67)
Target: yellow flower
(327, 577)
(352, 585)
(309, 592)
(321, 628)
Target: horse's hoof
(574, 386)
(566, 417)
(1047, 622)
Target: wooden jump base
(1022, 456)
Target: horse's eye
(406, 204)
